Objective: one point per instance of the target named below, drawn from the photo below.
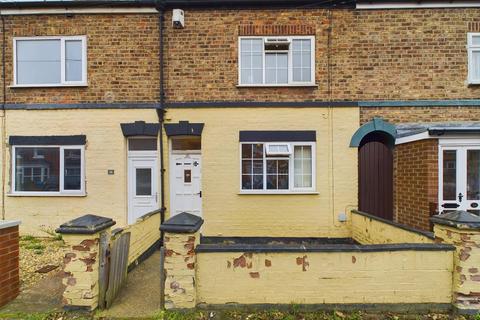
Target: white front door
(185, 177)
(460, 178)
(142, 186)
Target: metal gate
(113, 267)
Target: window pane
(37, 169)
(303, 166)
(72, 169)
(143, 182)
(475, 72)
(148, 144)
(185, 143)
(38, 61)
(257, 182)
(246, 150)
(251, 61)
(473, 174)
(252, 166)
(449, 174)
(276, 68)
(73, 60)
(476, 40)
(277, 174)
(301, 57)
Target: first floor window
(277, 60)
(49, 169)
(474, 58)
(50, 61)
(277, 166)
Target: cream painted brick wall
(325, 277)
(105, 149)
(227, 213)
(370, 231)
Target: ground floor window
(48, 169)
(277, 167)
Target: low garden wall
(9, 261)
(348, 274)
(328, 275)
(144, 236)
(369, 229)
(89, 270)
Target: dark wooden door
(375, 172)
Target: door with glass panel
(142, 178)
(460, 179)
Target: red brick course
(9, 265)
(416, 182)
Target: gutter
(180, 3)
(161, 114)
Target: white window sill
(277, 192)
(55, 85)
(294, 85)
(45, 194)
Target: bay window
(277, 61)
(47, 170)
(277, 167)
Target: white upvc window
(48, 170)
(473, 58)
(276, 61)
(50, 61)
(285, 167)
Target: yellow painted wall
(370, 231)
(227, 213)
(105, 149)
(346, 277)
(143, 234)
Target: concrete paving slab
(43, 297)
(140, 297)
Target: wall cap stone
(458, 219)
(324, 248)
(87, 224)
(9, 223)
(182, 223)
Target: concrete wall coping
(324, 248)
(9, 223)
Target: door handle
(460, 197)
(200, 194)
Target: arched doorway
(375, 141)
(375, 175)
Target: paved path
(140, 297)
(43, 297)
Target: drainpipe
(161, 114)
(3, 116)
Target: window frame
(290, 82)
(470, 49)
(62, 191)
(63, 82)
(291, 169)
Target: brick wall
(9, 268)
(416, 182)
(374, 54)
(122, 52)
(420, 114)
